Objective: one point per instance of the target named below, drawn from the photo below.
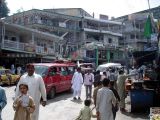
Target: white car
(104, 67)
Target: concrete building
(75, 26)
(133, 33)
(20, 45)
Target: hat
(29, 65)
(23, 83)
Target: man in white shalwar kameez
(77, 82)
(105, 100)
(36, 88)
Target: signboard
(154, 37)
(29, 48)
(61, 24)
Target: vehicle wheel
(52, 93)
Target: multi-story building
(155, 11)
(20, 45)
(133, 31)
(76, 27)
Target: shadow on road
(60, 96)
(137, 115)
(77, 101)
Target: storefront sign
(29, 48)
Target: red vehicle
(57, 76)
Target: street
(62, 107)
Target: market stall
(144, 94)
(155, 113)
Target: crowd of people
(108, 95)
(30, 93)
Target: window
(132, 36)
(71, 70)
(40, 69)
(6, 38)
(64, 71)
(137, 36)
(13, 38)
(109, 40)
(53, 71)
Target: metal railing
(26, 47)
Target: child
(24, 104)
(86, 112)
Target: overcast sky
(114, 8)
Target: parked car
(57, 76)
(104, 67)
(7, 78)
(86, 66)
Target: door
(54, 79)
(67, 73)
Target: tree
(4, 10)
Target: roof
(56, 10)
(102, 31)
(110, 65)
(51, 14)
(55, 64)
(143, 11)
(104, 21)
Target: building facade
(20, 45)
(133, 32)
(74, 25)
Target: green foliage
(4, 10)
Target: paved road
(61, 108)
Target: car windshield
(2, 72)
(102, 69)
(40, 69)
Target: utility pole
(149, 5)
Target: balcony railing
(103, 29)
(26, 47)
(132, 29)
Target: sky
(112, 8)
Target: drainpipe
(32, 37)
(108, 56)
(96, 56)
(3, 33)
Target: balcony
(68, 27)
(26, 47)
(129, 29)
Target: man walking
(105, 99)
(121, 88)
(36, 88)
(97, 78)
(3, 100)
(77, 81)
(88, 81)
